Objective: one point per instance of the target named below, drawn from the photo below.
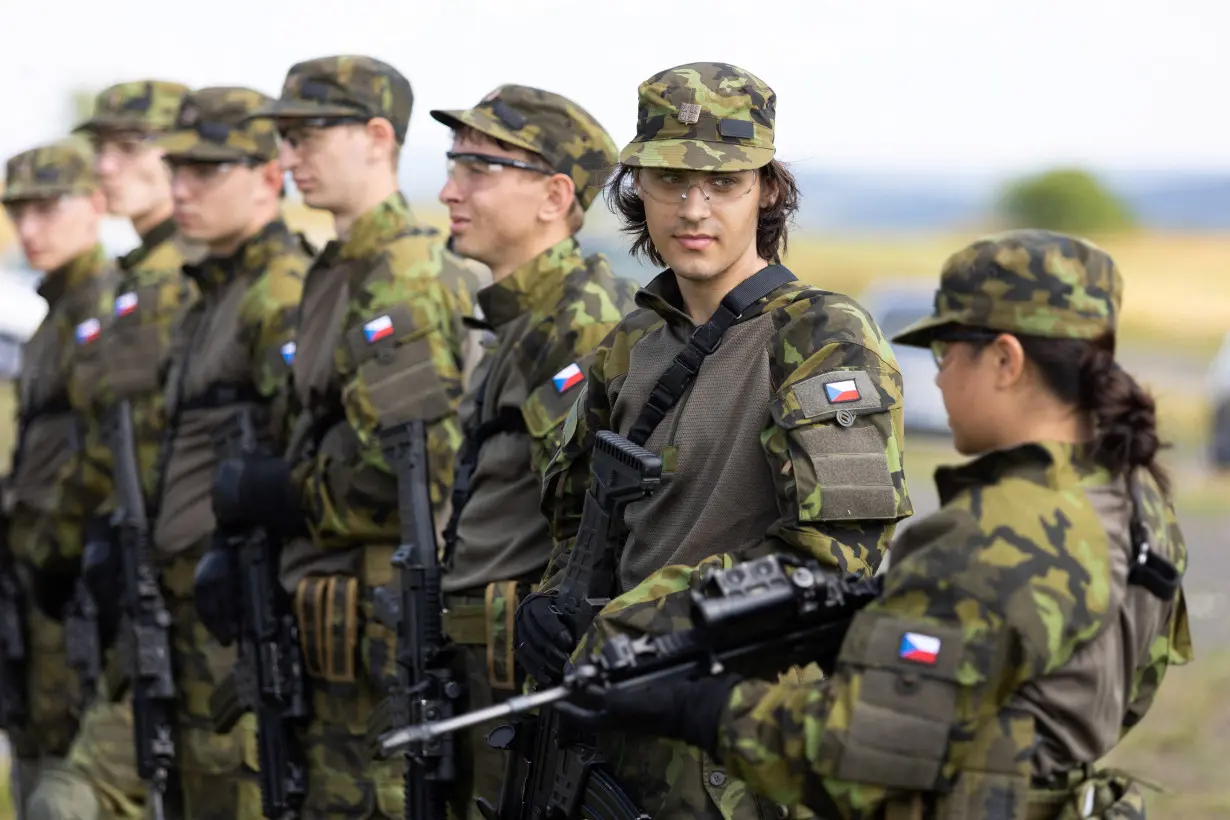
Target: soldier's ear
(769, 190)
(271, 176)
(561, 194)
(382, 136)
(1009, 360)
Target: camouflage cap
(212, 126)
(562, 132)
(49, 171)
(704, 117)
(1032, 282)
(344, 86)
(142, 105)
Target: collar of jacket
(536, 285)
(163, 232)
(252, 256)
(374, 229)
(663, 297)
(67, 278)
(1042, 462)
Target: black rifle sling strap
(705, 339)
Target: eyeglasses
(299, 132)
(200, 174)
(670, 187)
(469, 171)
(942, 344)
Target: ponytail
(1086, 374)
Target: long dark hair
(772, 225)
(1084, 373)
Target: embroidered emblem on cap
(126, 303)
(378, 328)
(88, 331)
(568, 378)
(919, 648)
(189, 115)
(288, 353)
(842, 392)
(689, 113)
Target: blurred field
(1177, 306)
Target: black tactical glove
(255, 491)
(103, 574)
(544, 639)
(688, 710)
(215, 590)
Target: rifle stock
(268, 679)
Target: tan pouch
(501, 605)
(327, 608)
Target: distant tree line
(1066, 199)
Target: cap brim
(111, 122)
(922, 332)
(483, 123)
(296, 109)
(695, 155)
(189, 145)
(27, 194)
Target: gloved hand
(688, 710)
(544, 639)
(215, 590)
(255, 491)
(103, 574)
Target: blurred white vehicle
(895, 304)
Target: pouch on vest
(839, 433)
(327, 608)
(396, 378)
(500, 604)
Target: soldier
(524, 167)
(1026, 626)
(126, 122)
(229, 357)
(380, 339)
(56, 479)
(776, 407)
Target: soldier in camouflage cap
(525, 164)
(1012, 646)
(809, 458)
(214, 125)
(51, 195)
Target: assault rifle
(426, 688)
(14, 708)
(268, 679)
(763, 615)
(149, 653)
(83, 649)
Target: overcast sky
(973, 86)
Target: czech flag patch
(88, 331)
(378, 328)
(842, 392)
(919, 648)
(288, 353)
(567, 378)
(126, 303)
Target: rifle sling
(676, 379)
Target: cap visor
(291, 109)
(695, 155)
(28, 193)
(113, 122)
(922, 332)
(483, 123)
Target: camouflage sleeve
(419, 378)
(566, 478)
(924, 671)
(1171, 649)
(269, 312)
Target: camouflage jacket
(547, 317)
(995, 657)
(789, 439)
(230, 352)
(136, 341)
(59, 470)
(380, 340)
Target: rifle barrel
(399, 739)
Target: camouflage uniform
(546, 317)
(380, 340)
(782, 468)
(58, 473)
(228, 355)
(132, 348)
(1037, 655)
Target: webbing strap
(705, 339)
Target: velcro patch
(738, 129)
(821, 396)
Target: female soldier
(1023, 628)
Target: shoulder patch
(126, 303)
(825, 394)
(88, 331)
(288, 353)
(568, 378)
(376, 329)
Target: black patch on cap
(738, 129)
(513, 119)
(214, 131)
